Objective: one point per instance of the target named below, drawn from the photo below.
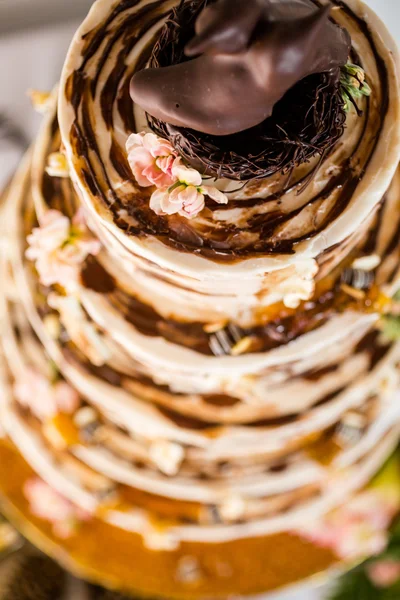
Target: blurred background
(34, 38)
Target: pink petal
(157, 177)
(157, 146)
(51, 217)
(47, 504)
(48, 406)
(151, 142)
(91, 246)
(134, 140)
(165, 180)
(175, 195)
(139, 160)
(165, 163)
(36, 394)
(155, 201)
(56, 269)
(152, 173)
(189, 195)
(67, 398)
(79, 219)
(52, 233)
(215, 194)
(160, 203)
(31, 252)
(185, 174)
(168, 207)
(193, 207)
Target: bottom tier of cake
(98, 551)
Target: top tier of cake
(276, 235)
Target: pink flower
(43, 398)
(358, 529)
(49, 505)
(186, 196)
(66, 398)
(180, 189)
(187, 201)
(384, 573)
(50, 236)
(186, 175)
(59, 249)
(150, 158)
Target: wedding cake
(199, 322)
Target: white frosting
(250, 273)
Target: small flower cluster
(180, 189)
(59, 247)
(356, 530)
(44, 398)
(47, 504)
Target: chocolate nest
(307, 122)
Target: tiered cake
(198, 332)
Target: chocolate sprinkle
(358, 279)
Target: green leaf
(355, 586)
(391, 327)
(397, 296)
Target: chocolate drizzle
(282, 326)
(288, 325)
(218, 241)
(95, 277)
